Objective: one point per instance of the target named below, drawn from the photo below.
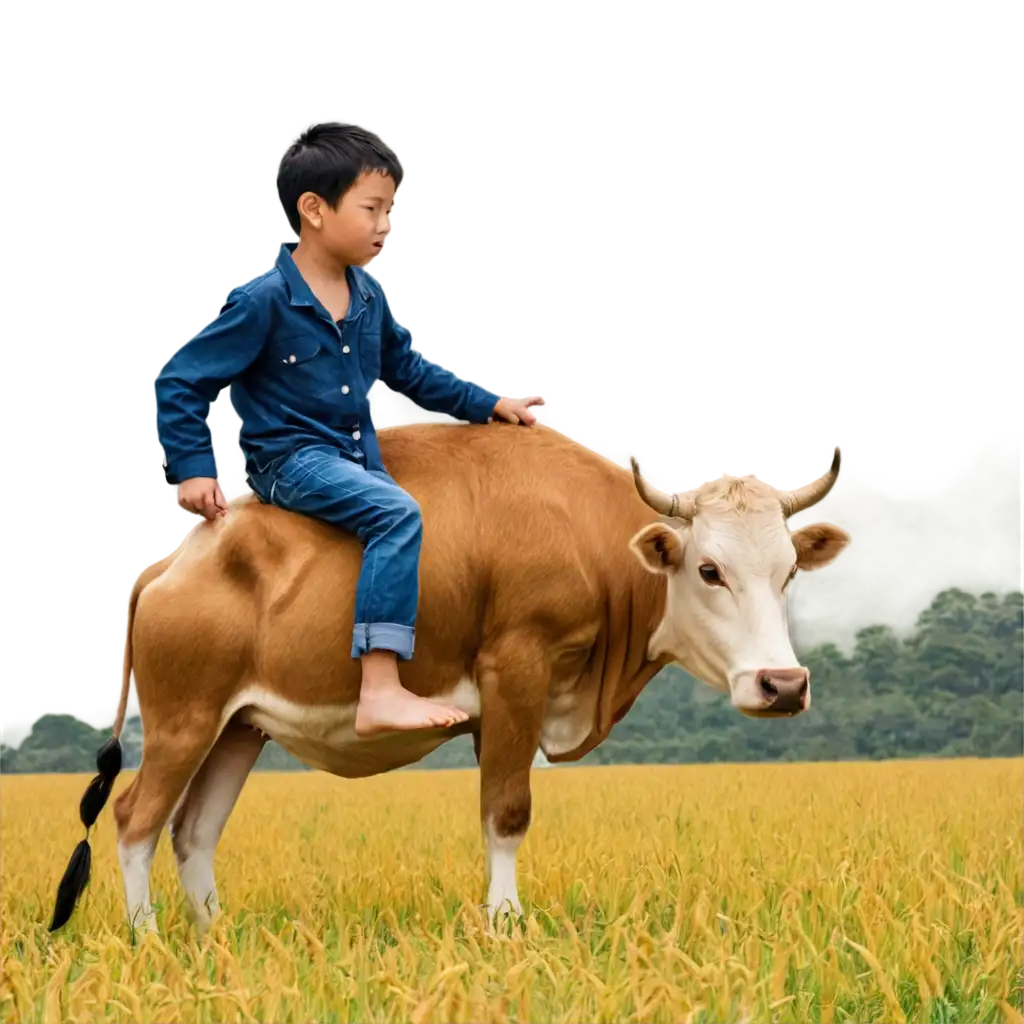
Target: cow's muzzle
(785, 691)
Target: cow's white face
(728, 567)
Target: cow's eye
(709, 574)
(792, 573)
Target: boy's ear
(818, 545)
(659, 548)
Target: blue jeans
(319, 481)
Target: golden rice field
(866, 892)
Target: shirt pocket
(295, 351)
(307, 371)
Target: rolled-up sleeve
(193, 378)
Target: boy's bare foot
(395, 709)
(386, 706)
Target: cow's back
(522, 528)
(524, 521)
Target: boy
(300, 347)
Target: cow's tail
(108, 765)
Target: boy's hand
(516, 410)
(202, 495)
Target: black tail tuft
(71, 885)
(76, 876)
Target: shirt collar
(300, 294)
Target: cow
(554, 585)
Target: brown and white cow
(551, 593)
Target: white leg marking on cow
(196, 874)
(136, 861)
(502, 894)
(216, 789)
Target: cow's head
(729, 556)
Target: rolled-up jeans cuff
(383, 636)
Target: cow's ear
(659, 548)
(818, 545)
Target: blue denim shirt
(296, 376)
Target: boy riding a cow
(547, 588)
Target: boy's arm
(194, 377)
(430, 386)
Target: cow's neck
(621, 666)
(648, 602)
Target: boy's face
(354, 232)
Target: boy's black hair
(327, 159)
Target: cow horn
(804, 497)
(678, 506)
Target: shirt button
(291, 359)
(344, 389)
(346, 349)
(356, 434)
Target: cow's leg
(513, 683)
(200, 818)
(170, 757)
